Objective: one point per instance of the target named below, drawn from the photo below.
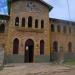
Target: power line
(68, 9)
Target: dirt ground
(37, 69)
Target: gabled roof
(43, 2)
(49, 6)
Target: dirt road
(37, 69)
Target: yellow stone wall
(3, 35)
(24, 33)
(63, 38)
(40, 12)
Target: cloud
(60, 9)
(3, 7)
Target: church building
(28, 35)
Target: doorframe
(28, 42)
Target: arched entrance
(29, 51)
(42, 47)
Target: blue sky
(59, 11)
(3, 7)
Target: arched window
(55, 46)
(36, 23)
(42, 24)
(23, 22)
(58, 28)
(69, 30)
(17, 21)
(2, 28)
(64, 29)
(15, 46)
(42, 47)
(52, 28)
(70, 47)
(30, 22)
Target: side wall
(62, 38)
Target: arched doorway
(29, 51)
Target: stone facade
(63, 33)
(40, 11)
(3, 35)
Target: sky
(59, 11)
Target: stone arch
(29, 21)
(70, 47)
(52, 28)
(36, 23)
(23, 22)
(17, 21)
(42, 24)
(2, 28)
(16, 46)
(55, 46)
(42, 47)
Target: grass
(69, 62)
